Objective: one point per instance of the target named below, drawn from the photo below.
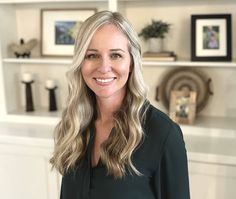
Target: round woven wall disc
(185, 78)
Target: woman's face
(107, 63)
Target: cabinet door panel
(25, 173)
(209, 181)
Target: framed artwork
(183, 106)
(211, 37)
(59, 28)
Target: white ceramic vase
(155, 44)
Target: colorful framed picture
(183, 106)
(211, 37)
(59, 28)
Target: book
(170, 58)
(159, 54)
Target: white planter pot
(155, 44)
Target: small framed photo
(183, 106)
(59, 28)
(211, 37)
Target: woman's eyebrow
(112, 50)
(92, 50)
(117, 49)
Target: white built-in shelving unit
(11, 29)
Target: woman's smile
(105, 81)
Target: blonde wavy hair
(72, 132)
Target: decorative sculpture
(23, 49)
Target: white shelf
(203, 125)
(211, 140)
(29, 119)
(60, 61)
(191, 64)
(67, 61)
(40, 116)
(45, 1)
(212, 126)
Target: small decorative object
(59, 28)
(154, 33)
(185, 79)
(23, 49)
(182, 106)
(211, 37)
(51, 87)
(27, 79)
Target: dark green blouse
(161, 158)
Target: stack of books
(159, 56)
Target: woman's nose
(105, 65)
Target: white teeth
(104, 80)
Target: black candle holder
(52, 99)
(28, 96)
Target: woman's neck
(107, 107)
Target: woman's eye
(92, 56)
(115, 56)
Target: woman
(111, 143)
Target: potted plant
(154, 33)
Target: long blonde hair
(72, 132)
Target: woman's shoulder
(158, 123)
(156, 117)
(161, 135)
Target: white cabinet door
(25, 173)
(212, 181)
